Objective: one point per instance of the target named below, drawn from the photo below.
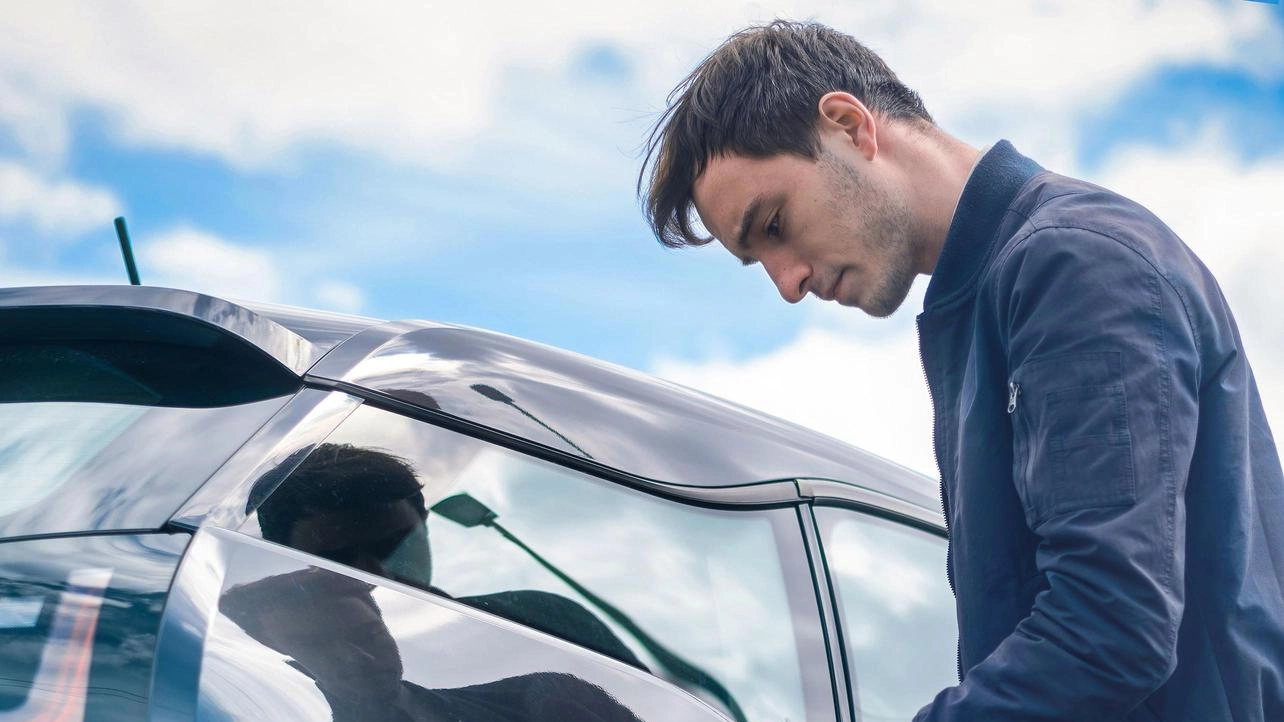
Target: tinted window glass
(78, 623)
(298, 641)
(67, 466)
(896, 611)
(132, 426)
(213, 371)
(717, 602)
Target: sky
(476, 164)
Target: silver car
(223, 511)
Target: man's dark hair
(334, 477)
(756, 95)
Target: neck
(937, 166)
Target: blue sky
(478, 167)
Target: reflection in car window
(333, 630)
(710, 600)
(80, 466)
(78, 621)
(896, 611)
(104, 433)
(46, 444)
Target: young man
(1114, 496)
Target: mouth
(833, 290)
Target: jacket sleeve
(1103, 366)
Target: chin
(884, 309)
(891, 298)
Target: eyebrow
(747, 221)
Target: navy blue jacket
(1113, 492)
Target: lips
(833, 290)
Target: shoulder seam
(1181, 298)
(1049, 199)
(1000, 256)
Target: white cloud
(18, 277)
(339, 296)
(54, 206)
(195, 260)
(423, 82)
(37, 122)
(1032, 69)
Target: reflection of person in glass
(365, 508)
(360, 507)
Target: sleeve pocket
(1072, 447)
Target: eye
(773, 228)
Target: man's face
(817, 226)
(369, 538)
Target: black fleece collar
(989, 191)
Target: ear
(843, 113)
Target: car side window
(719, 603)
(895, 609)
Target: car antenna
(127, 251)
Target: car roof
(574, 405)
(323, 329)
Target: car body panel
(228, 580)
(278, 445)
(78, 621)
(597, 411)
(323, 329)
(289, 349)
(834, 646)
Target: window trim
(866, 507)
(303, 422)
(827, 492)
(769, 493)
(826, 604)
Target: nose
(788, 273)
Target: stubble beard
(898, 263)
(885, 231)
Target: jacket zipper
(945, 506)
(1020, 433)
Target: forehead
(731, 182)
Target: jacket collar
(994, 182)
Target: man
(1113, 493)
